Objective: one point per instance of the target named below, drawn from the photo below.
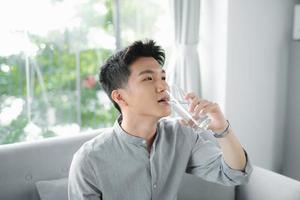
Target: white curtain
(184, 66)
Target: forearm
(232, 150)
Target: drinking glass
(180, 105)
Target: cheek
(142, 94)
(138, 96)
(144, 98)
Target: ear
(118, 97)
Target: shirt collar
(126, 136)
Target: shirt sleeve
(82, 184)
(207, 161)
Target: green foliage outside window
(88, 38)
(56, 60)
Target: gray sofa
(22, 165)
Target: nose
(162, 86)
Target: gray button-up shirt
(116, 165)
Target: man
(144, 155)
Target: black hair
(114, 73)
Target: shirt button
(154, 185)
(144, 142)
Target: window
(50, 55)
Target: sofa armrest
(265, 184)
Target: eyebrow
(149, 71)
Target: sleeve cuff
(241, 176)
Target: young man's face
(145, 92)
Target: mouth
(164, 100)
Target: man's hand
(232, 150)
(201, 107)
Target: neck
(141, 126)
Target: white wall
(259, 39)
(291, 162)
(255, 57)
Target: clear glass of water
(181, 106)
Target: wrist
(221, 127)
(223, 132)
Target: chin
(166, 114)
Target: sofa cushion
(194, 188)
(266, 184)
(53, 189)
(23, 164)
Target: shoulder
(101, 141)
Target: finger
(211, 108)
(200, 107)
(190, 95)
(191, 123)
(194, 103)
(183, 122)
(186, 122)
(202, 104)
